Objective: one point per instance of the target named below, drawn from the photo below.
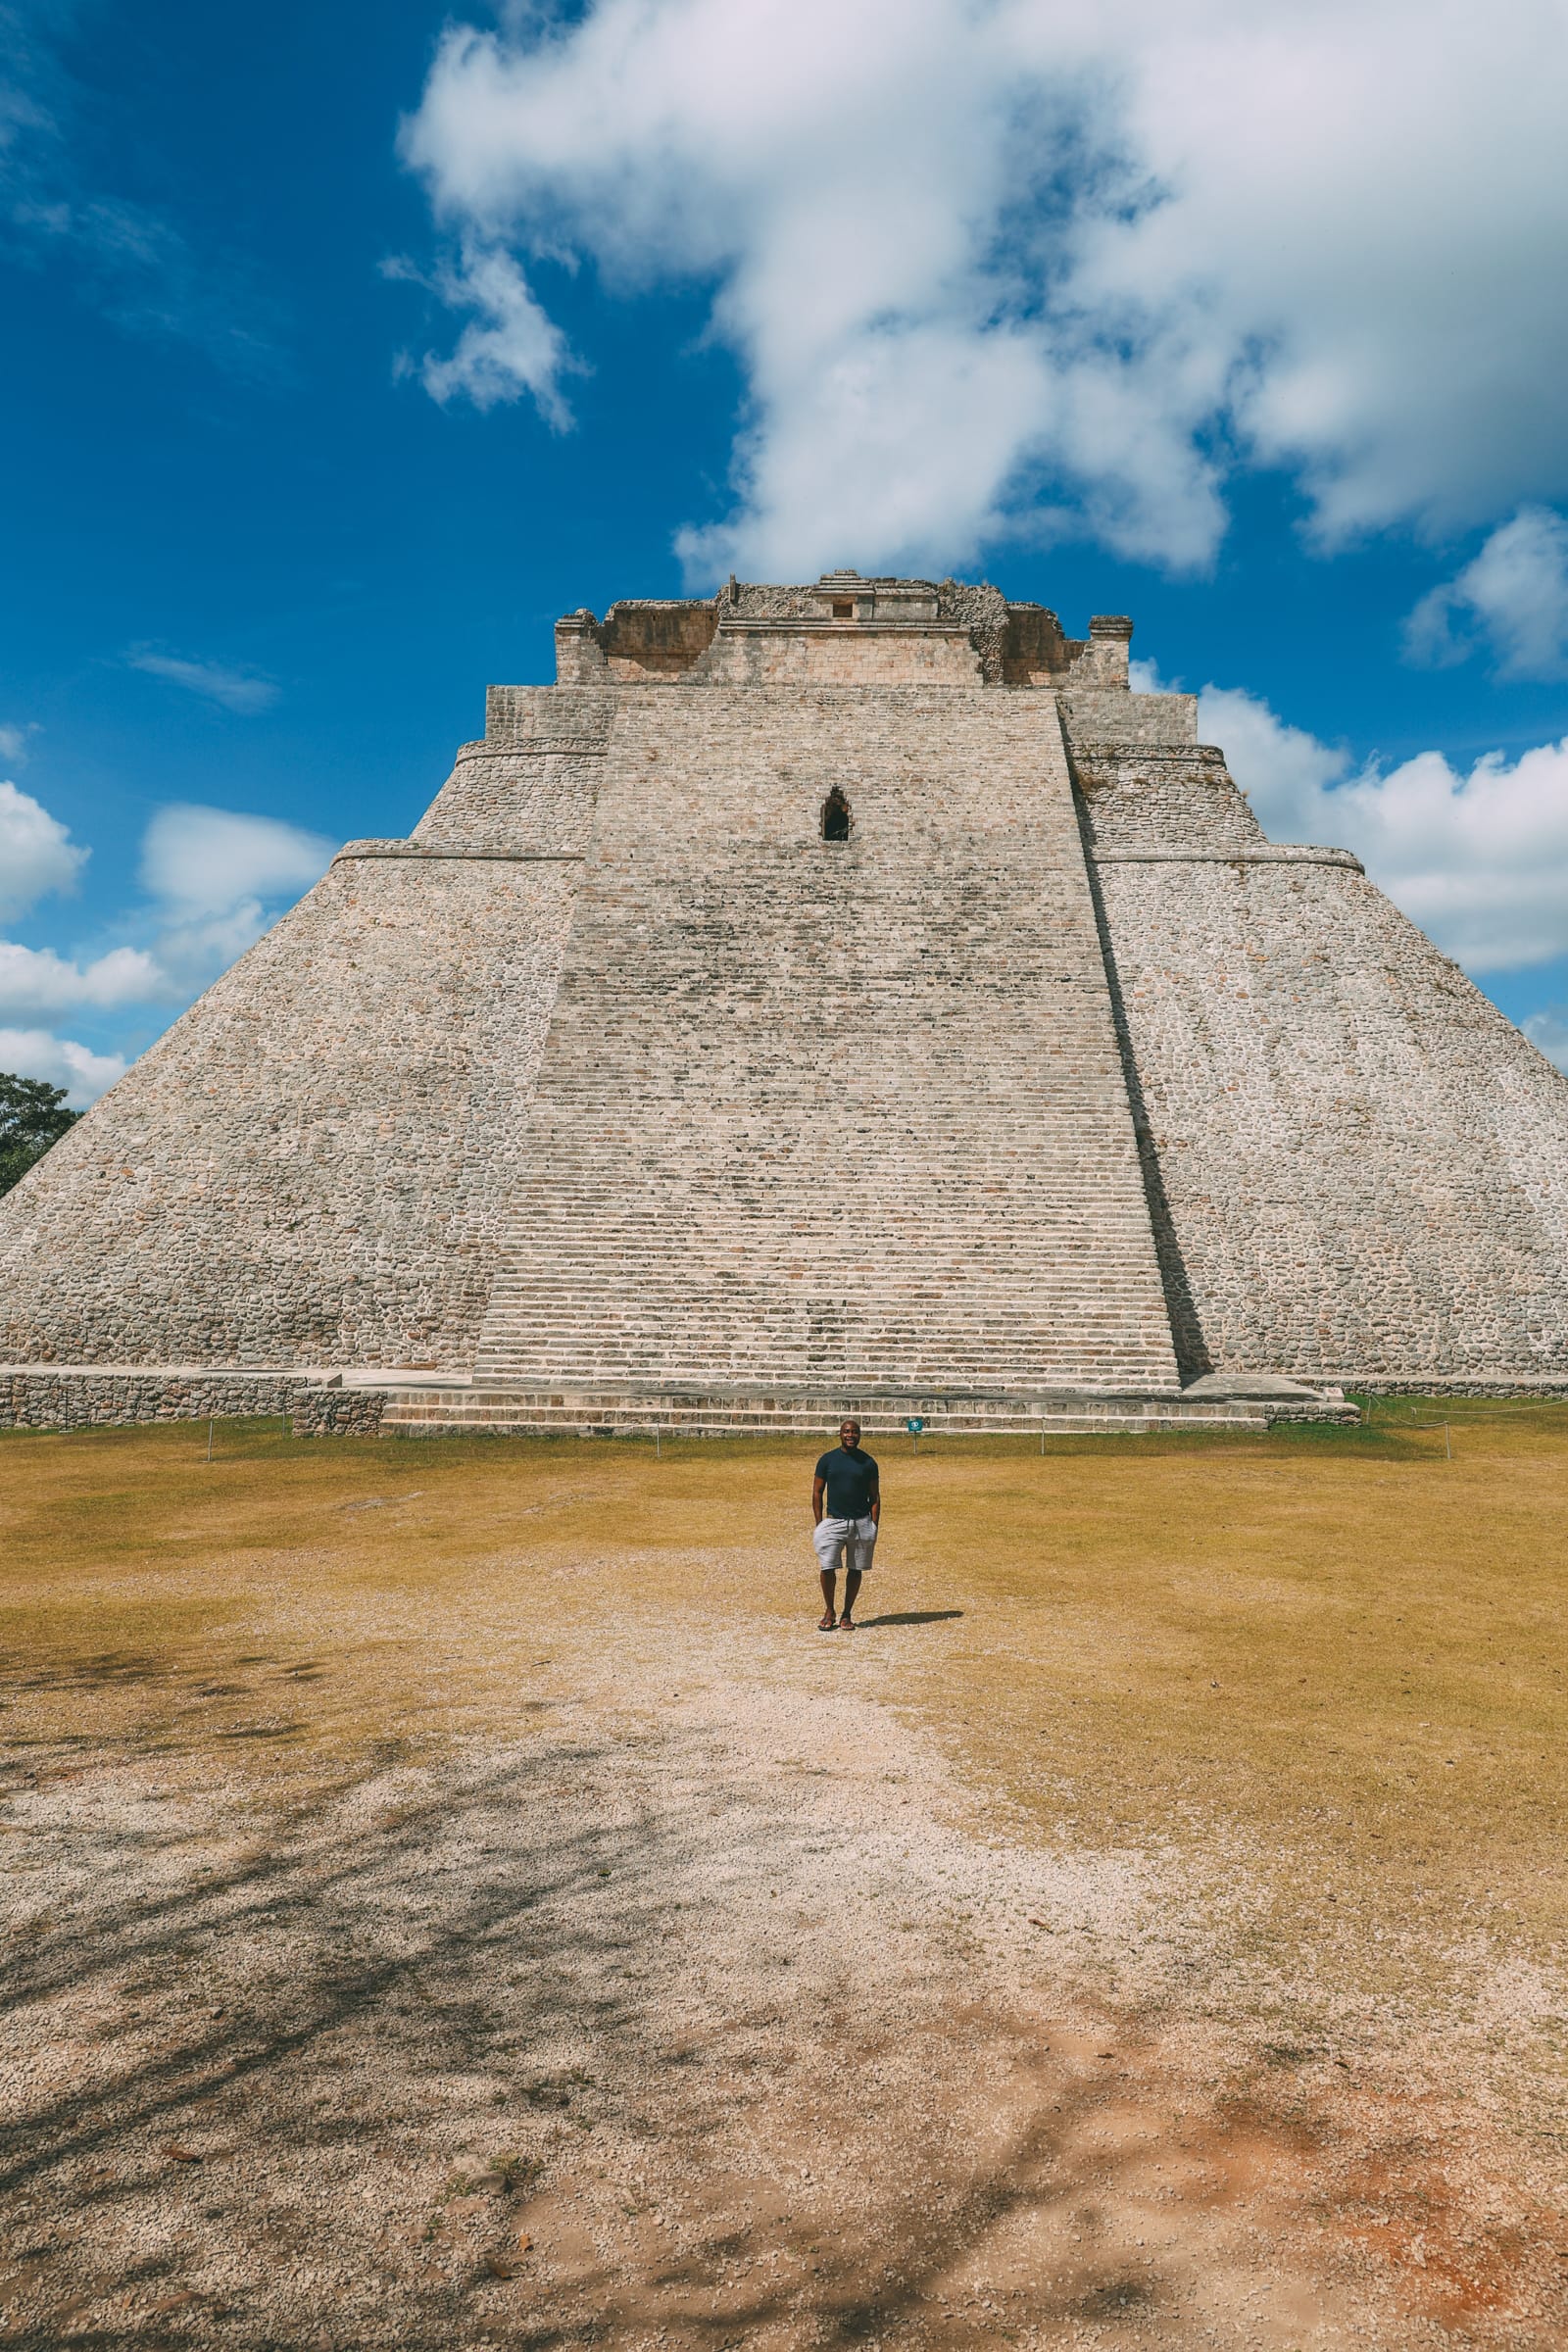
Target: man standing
(846, 1506)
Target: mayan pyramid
(838, 994)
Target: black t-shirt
(850, 1482)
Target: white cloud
(1515, 592)
(36, 980)
(194, 953)
(1480, 861)
(1548, 1029)
(14, 743)
(1014, 266)
(1285, 772)
(210, 861)
(233, 689)
(512, 348)
(59, 1061)
(36, 852)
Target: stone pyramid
(845, 993)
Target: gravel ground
(711, 2016)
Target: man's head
(850, 1434)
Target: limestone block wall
(1359, 1167)
(850, 1112)
(533, 801)
(34, 1399)
(104, 1399)
(1153, 796)
(523, 717)
(764, 653)
(1105, 718)
(657, 638)
(309, 1167)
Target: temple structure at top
(845, 631)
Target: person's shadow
(910, 1617)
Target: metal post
(209, 1440)
(658, 1451)
(1447, 1442)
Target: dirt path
(704, 2017)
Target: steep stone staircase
(820, 1116)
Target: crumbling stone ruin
(820, 996)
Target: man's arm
(818, 1490)
(876, 1499)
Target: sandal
(827, 1624)
(847, 1625)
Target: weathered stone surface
(1365, 1165)
(1358, 1168)
(100, 1399)
(310, 1167)
(620, 1080)
(818, 1108)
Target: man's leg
(827, 1542)
(857, 1555)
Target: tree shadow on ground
(313, 2094)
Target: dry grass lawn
(1147, 1929)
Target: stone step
(500, 1410)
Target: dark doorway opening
(835, 816)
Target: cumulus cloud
(59, 1061)
(36, 980)
(16, 742)
(238, 690)
(1514, 594)
(36, 852)
(1479, 860)
(1015, 267)
(208, 861)
(512, 347)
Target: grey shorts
(852, 1540)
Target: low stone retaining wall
(324, 1412)
(1547, 1389)
(37, 1398)
(106, 1399)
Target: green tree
(32, 1116)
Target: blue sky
(346, 351)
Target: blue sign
(914, 1428)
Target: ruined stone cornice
(1271, 853)
(509, 747)
(820, 625)
(353, 849)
